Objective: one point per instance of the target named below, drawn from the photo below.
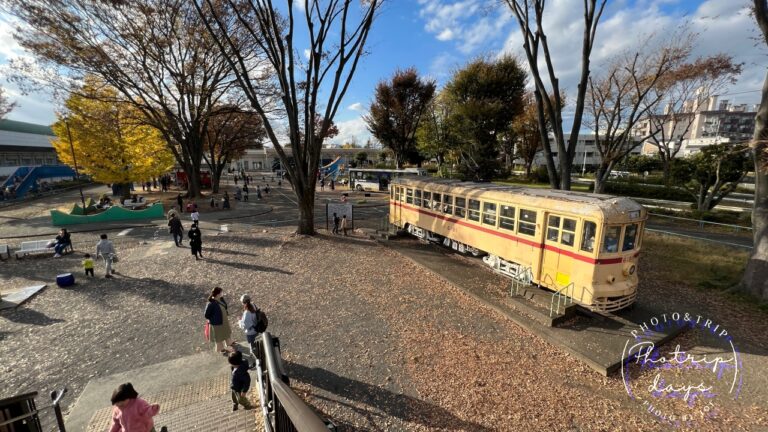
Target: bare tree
(231, 131)
(530, 17)
(622, 97)
(526, 135)
(307, 90)
(755, 280)
(679, 96)
(156, 53)
(6, 106)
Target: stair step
(536, 303)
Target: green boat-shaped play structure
(112, 214)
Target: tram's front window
(611, 239)
(630, 237)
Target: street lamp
(74, 162)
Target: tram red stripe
(511, 237)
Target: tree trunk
(216, 178)
(306, 211)
(601, 176)
(565, 171)
(666, 167)
(528, 167)
(755, 280)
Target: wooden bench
(39, 246)
(4, 249)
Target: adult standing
(322, 184)
(180, 201)
(336, 221)
(106, 250)
(225, 205)
(177, 229)
(249, 319)
(196, 241)
(63, 241)
(333, 185)
(344, 224)
(218, 319)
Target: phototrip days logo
(681, 386)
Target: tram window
(568, 234)
(427, 200)
(527, 223)
(461, 203)
(611, 239)
(474, 210)
(630, 235)
(489, 214)
(553, 228)
(392, 193)
(417, 198)
(507, 218)
(447, 204)
(409, 196)
(436, 201)
(588, 236)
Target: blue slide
(30, 175)
(332, 169)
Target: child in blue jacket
(241, 381)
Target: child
(241, 381)
(88, 265)
(344, 224)
(130, 412)
(195, 216)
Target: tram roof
(584, 202)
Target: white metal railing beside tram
(563, 297)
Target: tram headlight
(629, 269)
(611, 279)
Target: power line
(738, 93)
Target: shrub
(639, 190)
(540, 174)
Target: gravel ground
(372, 341)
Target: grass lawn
(700, 265)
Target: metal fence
(20, 413)
(283, 410)
(702, 223)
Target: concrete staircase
(536, 302)
(201, 406)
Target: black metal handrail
(56, 396)
(283, 410)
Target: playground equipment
(112, 214)
(332, 170)
(28, 177)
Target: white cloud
(445, 35)
(357, 106)
(350, 130)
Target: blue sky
(438, 36)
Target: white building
(586, 155)
(714, 122)
(25, 144)
(264, 159)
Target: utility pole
(74, 162)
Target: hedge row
(644, 191)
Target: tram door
(394, 207)
(550, 254)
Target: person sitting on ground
(241, 381)
(134, 199)
(131, 413)
(63, 241)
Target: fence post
(56, 396)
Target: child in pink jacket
(130, 412)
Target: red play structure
(205, 179)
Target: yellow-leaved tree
(110, 142)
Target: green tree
(484, 98)
(434, 138)
(641, 163)
(361, 158)
(713, 173)
(397, 110)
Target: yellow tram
(585, 246)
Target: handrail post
(56, 396)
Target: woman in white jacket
(249, 319)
